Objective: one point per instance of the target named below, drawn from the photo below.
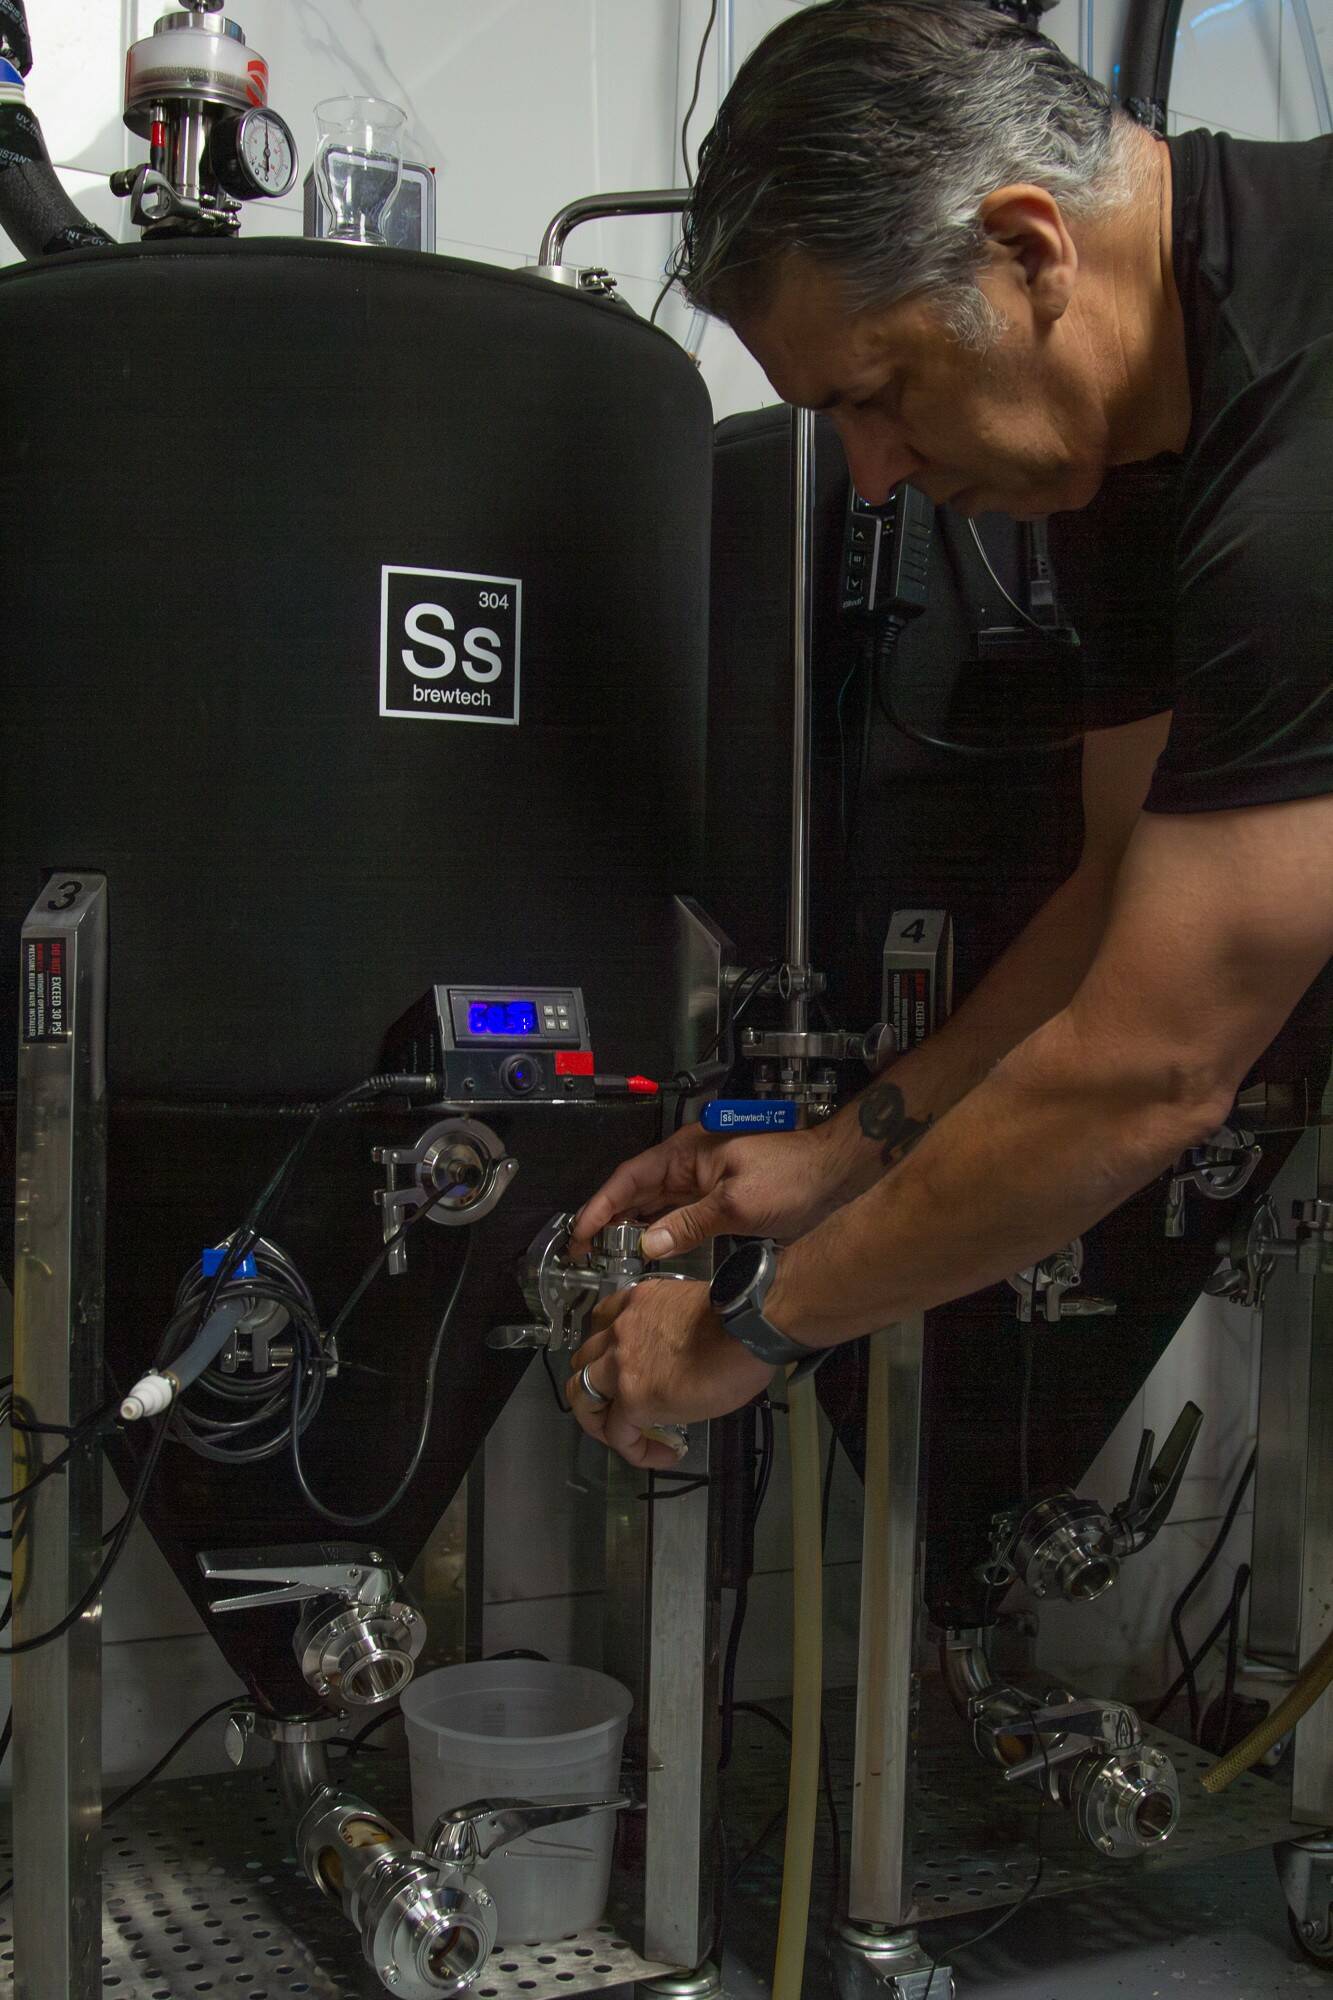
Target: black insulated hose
(1146, 60)
(35, 211)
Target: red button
(574, 1062)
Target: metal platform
(202, 1895)
(975, 1836)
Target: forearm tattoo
(885, 1119)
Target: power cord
(370, 1520)
(1187, 1662)
(694, 95)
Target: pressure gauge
(253, 155)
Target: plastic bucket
(523, 1729)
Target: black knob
(520, 1075)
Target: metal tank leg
(876, 1962)
(1293, 1506)
(704, 1983)
(880, 1887)
(58, 1302)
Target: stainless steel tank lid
(203, 23)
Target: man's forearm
(1037, 976)
(1062, 1131)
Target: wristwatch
(738, 1290)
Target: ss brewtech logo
(449, 645)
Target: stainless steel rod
(600, 207)
(802, 602)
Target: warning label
(45, 995)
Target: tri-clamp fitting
(1086, 1755)
(1218, 1170)
(1250, 1254)
(1045, 1290)
(459, 1167)
(427, 1923)
(358, 1635)
(562, 1295)
(1061, 1545)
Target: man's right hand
(702, 1185)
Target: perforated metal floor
(974, 1842)
(202, 1895)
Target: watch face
(732, 1284)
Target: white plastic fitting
(151, 1394)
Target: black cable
(1029, 1341)
(657, 302)
(428, 1392)
(6, 1736)
(1178, 1608)
(560, 1403)
(156, 1770)
(694, 96)
(728, 1687)
(1238, 1588)
(1195, 1661)
(826, 1771)
(354, 1743)
(827, 1494)
(767, 1454)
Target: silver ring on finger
(595, 1396)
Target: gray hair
(866, 135)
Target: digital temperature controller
(498, 1041)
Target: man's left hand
(662, 1356)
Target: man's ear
(1030, 246)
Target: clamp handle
(1155, 1483)
(468, 1834)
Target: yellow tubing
(807, 1689)
(1304, 1692)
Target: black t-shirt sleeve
(1252, 617)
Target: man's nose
(877, 464)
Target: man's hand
(779, 1185)
(662, 1356)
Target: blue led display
(501, 1017)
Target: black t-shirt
(1203, 583)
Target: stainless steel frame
(58, 1303)
(661, 1635)
(882, 1871)
(1290, 1610)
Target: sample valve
(562, 1295)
